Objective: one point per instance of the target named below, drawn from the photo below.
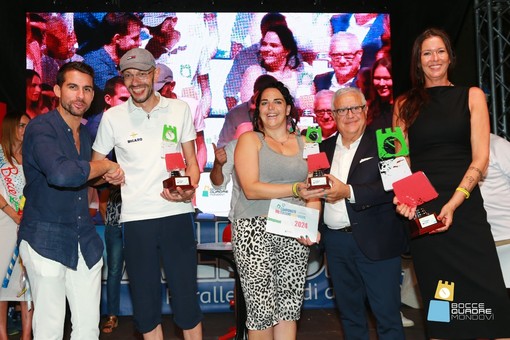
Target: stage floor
(315, 324)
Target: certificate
(287, 219)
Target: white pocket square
(365, 159)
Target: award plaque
(317, 163)
(176, 180)
(318, 180)
(174, 163)
(424, 223)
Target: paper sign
(392, 170)
(310, 149)
(292, 220)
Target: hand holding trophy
(317, 163)
(174, 165)
(415, 190)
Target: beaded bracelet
(4, 206)
(464, 191)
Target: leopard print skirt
(272, 270)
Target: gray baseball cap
(137, 58)
(165, 75)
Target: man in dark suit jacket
(345, 52)
(362, 235)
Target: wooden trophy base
(318, 182)
(425, 224)
(173, 182)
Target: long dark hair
(288, 42)
(417, 96)
(374, 100)
(291, 118)
(29, 75)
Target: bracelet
(295, 190)
(464, 191)
(4, 206)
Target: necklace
(288, 135)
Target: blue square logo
(439, 311)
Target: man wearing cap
(158, 223)
(165, 85)
(180, 45)
(121, 31)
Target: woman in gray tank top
(269, 163)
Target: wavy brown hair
(412, 101)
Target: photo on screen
(212, 59)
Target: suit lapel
(363, 150)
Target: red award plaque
(174, 164)
(317, 163)
(415, 190)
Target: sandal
(110, 323)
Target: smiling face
(273, 109)
(272, 50)
(435, 60)
(345, 53)
(76, 93)
(383, 83)
(140, 84)
(351, 126)
(324, 115)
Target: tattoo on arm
(480, 174)
(471, 182)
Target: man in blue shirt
(58, 241)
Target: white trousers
(504, 260)
(51, 283)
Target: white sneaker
(406, 322)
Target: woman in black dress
(447, 129)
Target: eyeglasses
(355, 110)
(144, 75)
(322, 113)
(346, 56)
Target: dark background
(408, 19)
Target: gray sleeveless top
(273, 168)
